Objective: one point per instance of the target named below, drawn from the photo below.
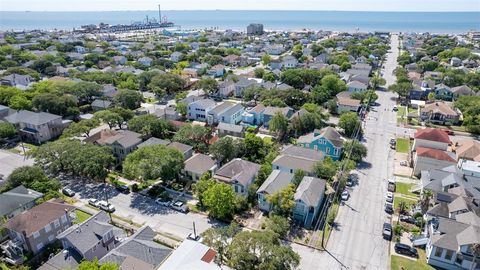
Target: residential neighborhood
(173, 149)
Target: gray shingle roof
(310, 190)
(230, 127)
(199, 164)
(87, 234)
(153, 141)
(276, 181)
(32, 118)
(238, 169)
(16, 198)
(141, 247)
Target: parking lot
(10, 161)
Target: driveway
(143, 210)
(357, 241)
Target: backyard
(402, 145)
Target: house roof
(237, 169)
(310, 190)
(88, 233)
(458, 204)
(439, 107)
(183, 148)
(297, 151)
(463, 90)
(434, 153)
(32, 118)
(153, 141)
(272, 110)
(449, 229)
(204, 103)
(343, 98)
(468, 149)
(16, 198)
(191, 255)
(230, 127)
(332, 135)
(199, 164)
(276, 181)
(101, 103)
(222, 107)
(469, 236)
(432, 134)
(140, 248)
(38, 217)
(65, 259)
(125, 138)
(357, 84)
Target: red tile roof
(434, 153)
(432, 134)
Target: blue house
(326, 140)
(420, 92)
(252, 116)
(308, 201)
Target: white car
(345, 195)
(107, 207)
(164, 202)
(93, 202)
(389, 197)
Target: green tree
(357, 150)
(401, 88)
(20, 102)
(64, 105)
(377, 81)
(220, 201)
(153, 162)
(196, 136)
(34, 178)
(182, 108)
(349, 122)
(166, 83)
(298, 177)
(278, 225)
(129, 99)
(278, 124)
(208, 85)
(255, 148)
(266, 59)
(282, 201)
(259, 72)
(260, 250)
(95, 265)
(219, 239)
(202, 185)
(150, 125)
(108, 117)
(82, 127)
(7, 130)
(326, 169)
(225, 149)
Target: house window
(335, 151)
(449, 254)
(56, 223)
(291, 170)
(36, 234)
(307, 145)
(39, 246)
(50, 238)
(438, 252)
(315, 147)
(64, 219)
(48, 228)
(327, 150)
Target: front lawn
(404, 188)
(398, 199)
(81, 216)
(398, 263)
(402, 145)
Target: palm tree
(402, 207)
(426, 196)
(476, 253)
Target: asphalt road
(356, 241)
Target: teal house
(326, 140)
(309, 198)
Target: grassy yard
(397, 200)
(398, 263)
(402, 145)
(81, 216)
(403, 188)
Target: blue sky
(350, 5)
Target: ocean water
(434, 22)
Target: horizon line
(286, 10)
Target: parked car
(387, 231)
(395, 108)
(403, 163)
(163, 201)
(349, 183)
(68, 192)
(393, 141)
(93, 202)
(391, 185)
(122, 188)
(406, 250)
(345, 195)
(408, 219)
(393, 146)
(389, 208)
(180, 206)
(107, 207)
(389, 197)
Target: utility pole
(159, 14)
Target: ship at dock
(146, 24)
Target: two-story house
(242, 84)
(440, 112)
(225, 112)
(37, 127)
(198, 110)
(293, 158)
(275, 182)
(308, 200)
(122, 142)
(443, 92)
(226, 88)
(238, 173)
(429, 158)
(289, 62)
(38, 227)
(326, 140)
(197, 165)
(93, 238)
(270, 111)
(253, 116)
(431, 138)
(356, 87)
(17, 200)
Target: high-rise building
(255, 29)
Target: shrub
(155, 191)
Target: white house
(275, 182)
(146, 61)
(226, 88)
(198, 110)
(290, 62)
(356, 87)
(428, 158)
(431, 138)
